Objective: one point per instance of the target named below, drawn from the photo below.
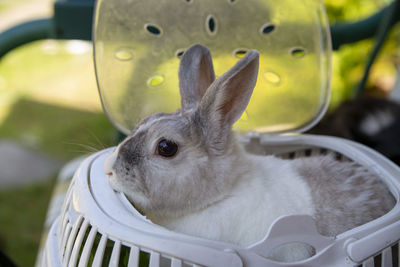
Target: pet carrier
(99, 227)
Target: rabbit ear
(196, 73)
(227, 98)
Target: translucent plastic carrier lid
(138, 45)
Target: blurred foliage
(50, 101)
(349, 62)
(6, 4)
(351, 10)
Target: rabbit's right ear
(196, 73)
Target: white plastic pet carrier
(138, 44)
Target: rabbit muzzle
(109, 163)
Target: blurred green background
(349, 61)
(49, 103)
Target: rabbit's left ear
(226, 100)
(228, 96)
(196, 73)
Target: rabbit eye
(167, 148)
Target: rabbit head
(176, 163)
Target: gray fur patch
(345, 195)
(131, 151)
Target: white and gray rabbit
(187, 172)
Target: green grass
(22, 217)
(62, 132)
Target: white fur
(269, 188)
(264, 188)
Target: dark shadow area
(372, 121)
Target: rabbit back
(345, 194)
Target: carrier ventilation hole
(124, 256)
(155, 80)
(153, 29)
(378, 261)
(272, 77)
(179, 53)
(188, 1)
(395, 254)
(298, 52)
(124, 54)
(164, 261)
(267, 28)
(144, 258)
(107, 252)
(338, 156)
(239, 53)
(211, 25)
(232, 1)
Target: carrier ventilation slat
(78, 243)
(87, 249)
(176, 263)
(64, 214)
(98, 258)
(154, 259)
(114, 260)
(67, 232)
(134, 257)
(71, 240)
(368, 263)
(62, 231)
(386, 258)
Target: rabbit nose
(108, 170)
(109, 163)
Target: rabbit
(186, 171)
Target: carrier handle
(361, 249)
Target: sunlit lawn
(49, 102)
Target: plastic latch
(292, 229)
